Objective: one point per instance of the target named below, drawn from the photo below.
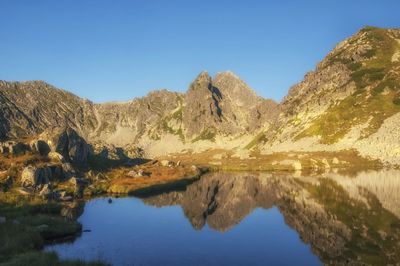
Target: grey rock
(35, 177)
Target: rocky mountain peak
(202, 81)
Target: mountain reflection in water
(348, 220)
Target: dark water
(248, 219)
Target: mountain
(350, 101)
(223, 107)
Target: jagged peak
(203, 76)
(227, 74)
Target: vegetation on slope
(377, 94)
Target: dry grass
(123, 184)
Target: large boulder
(36, 177)
(69, 144)
(40, 146)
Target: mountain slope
(224, 108)
(350, 101)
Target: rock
(68, 170)
(46, 191)
(297, 165)
(100, 177)
(55, 156)
(69, 144)
(325, 163)
(132, 173)
(35, 177)
(13, 148)
(335, 160)
(78, 181)
(195, 169)
(40, 146)
(2, 219)
(80, 185)
(64, 196)
(29, 176)
(140, 173)
(166, 163)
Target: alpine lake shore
(41, 194)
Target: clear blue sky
(118, 50)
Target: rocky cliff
(350, 101)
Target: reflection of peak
(221, 200)
(308, 204)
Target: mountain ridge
(344, 103)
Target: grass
(206, 134)
(163, 126)
(30, 223)
(160, 176)
(260, 138)
(338, 120)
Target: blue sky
(117, 50)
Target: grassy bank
(29, 223)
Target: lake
(248, 219)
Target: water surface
(248, 219)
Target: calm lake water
(248, 219)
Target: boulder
(325, 163)
(297, 165)
(29, 176)
(35, 177)
(68, 170)
(13, 148)
(40, 146)
(69, 144)
(64, 196)
(138, 173)
(166, 163)
(80, 185)
(131, 173)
